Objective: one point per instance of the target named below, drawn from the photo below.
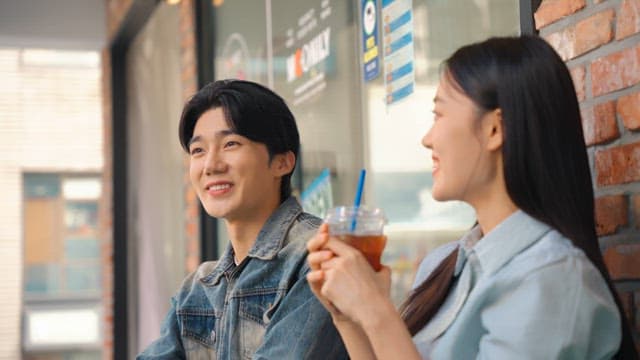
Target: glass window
(155, 174)
(400, 167)
(62, 252)
(310, 53)
(62, 267)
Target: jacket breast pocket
(256, 310)
(198, 333)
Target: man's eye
(231, 143)
(195, 151)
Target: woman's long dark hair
(546, 166)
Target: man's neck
(244, 232)
(242, 236)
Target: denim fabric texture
(262, 308)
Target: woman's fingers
(340, 248)
(316, 258)
(316, 282)
(315, 277)
(319, 240)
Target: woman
(528, 281)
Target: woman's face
(460, 167)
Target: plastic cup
(365, 234)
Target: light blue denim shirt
(523, 291)
(260, 309)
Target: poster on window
(397, 22)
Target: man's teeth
(219, 187)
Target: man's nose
(215, 163)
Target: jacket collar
(269, 242)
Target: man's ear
(283, 163)
(493, 129)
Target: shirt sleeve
(301, 328)
(561, 311)
(169, 344)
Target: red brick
(628, 19)
(563, 42)
(611, 213)
(599, 124)
(635, 205)
(578, 75)
(552, 10)
(628, 109)
(622, 261)
(594, 31)
(615, 71)
(618, 165)
(586, 35)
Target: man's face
(231, 174)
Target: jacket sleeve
(169, 344)
(301, 328)
(561, 311)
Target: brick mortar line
(627, 285)
(630, 189)
(578, 16)
(603, 50)
(612, 96)
(625, 138)
(608, 241)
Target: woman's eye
(195, 151)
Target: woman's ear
(493, 129)
(283, 163)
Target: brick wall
(106, 210)
(116, 12)
(600, 42)
(189, 75)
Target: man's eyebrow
(194, 139)
(218, 134)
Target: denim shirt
(262, 308)
(521, 291)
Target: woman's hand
(315, 278)
(343, 280)
(351, 284)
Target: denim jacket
(262, 308)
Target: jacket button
(213, 336)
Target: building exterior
(50, 169)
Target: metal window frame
(205, 46)
(527, 23)
(124, 326)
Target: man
(255, 301)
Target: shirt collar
(269, 241)
(510, 237)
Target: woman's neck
(494, 210)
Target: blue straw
(356, 202)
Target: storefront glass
(312, 52)
(155, 174)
